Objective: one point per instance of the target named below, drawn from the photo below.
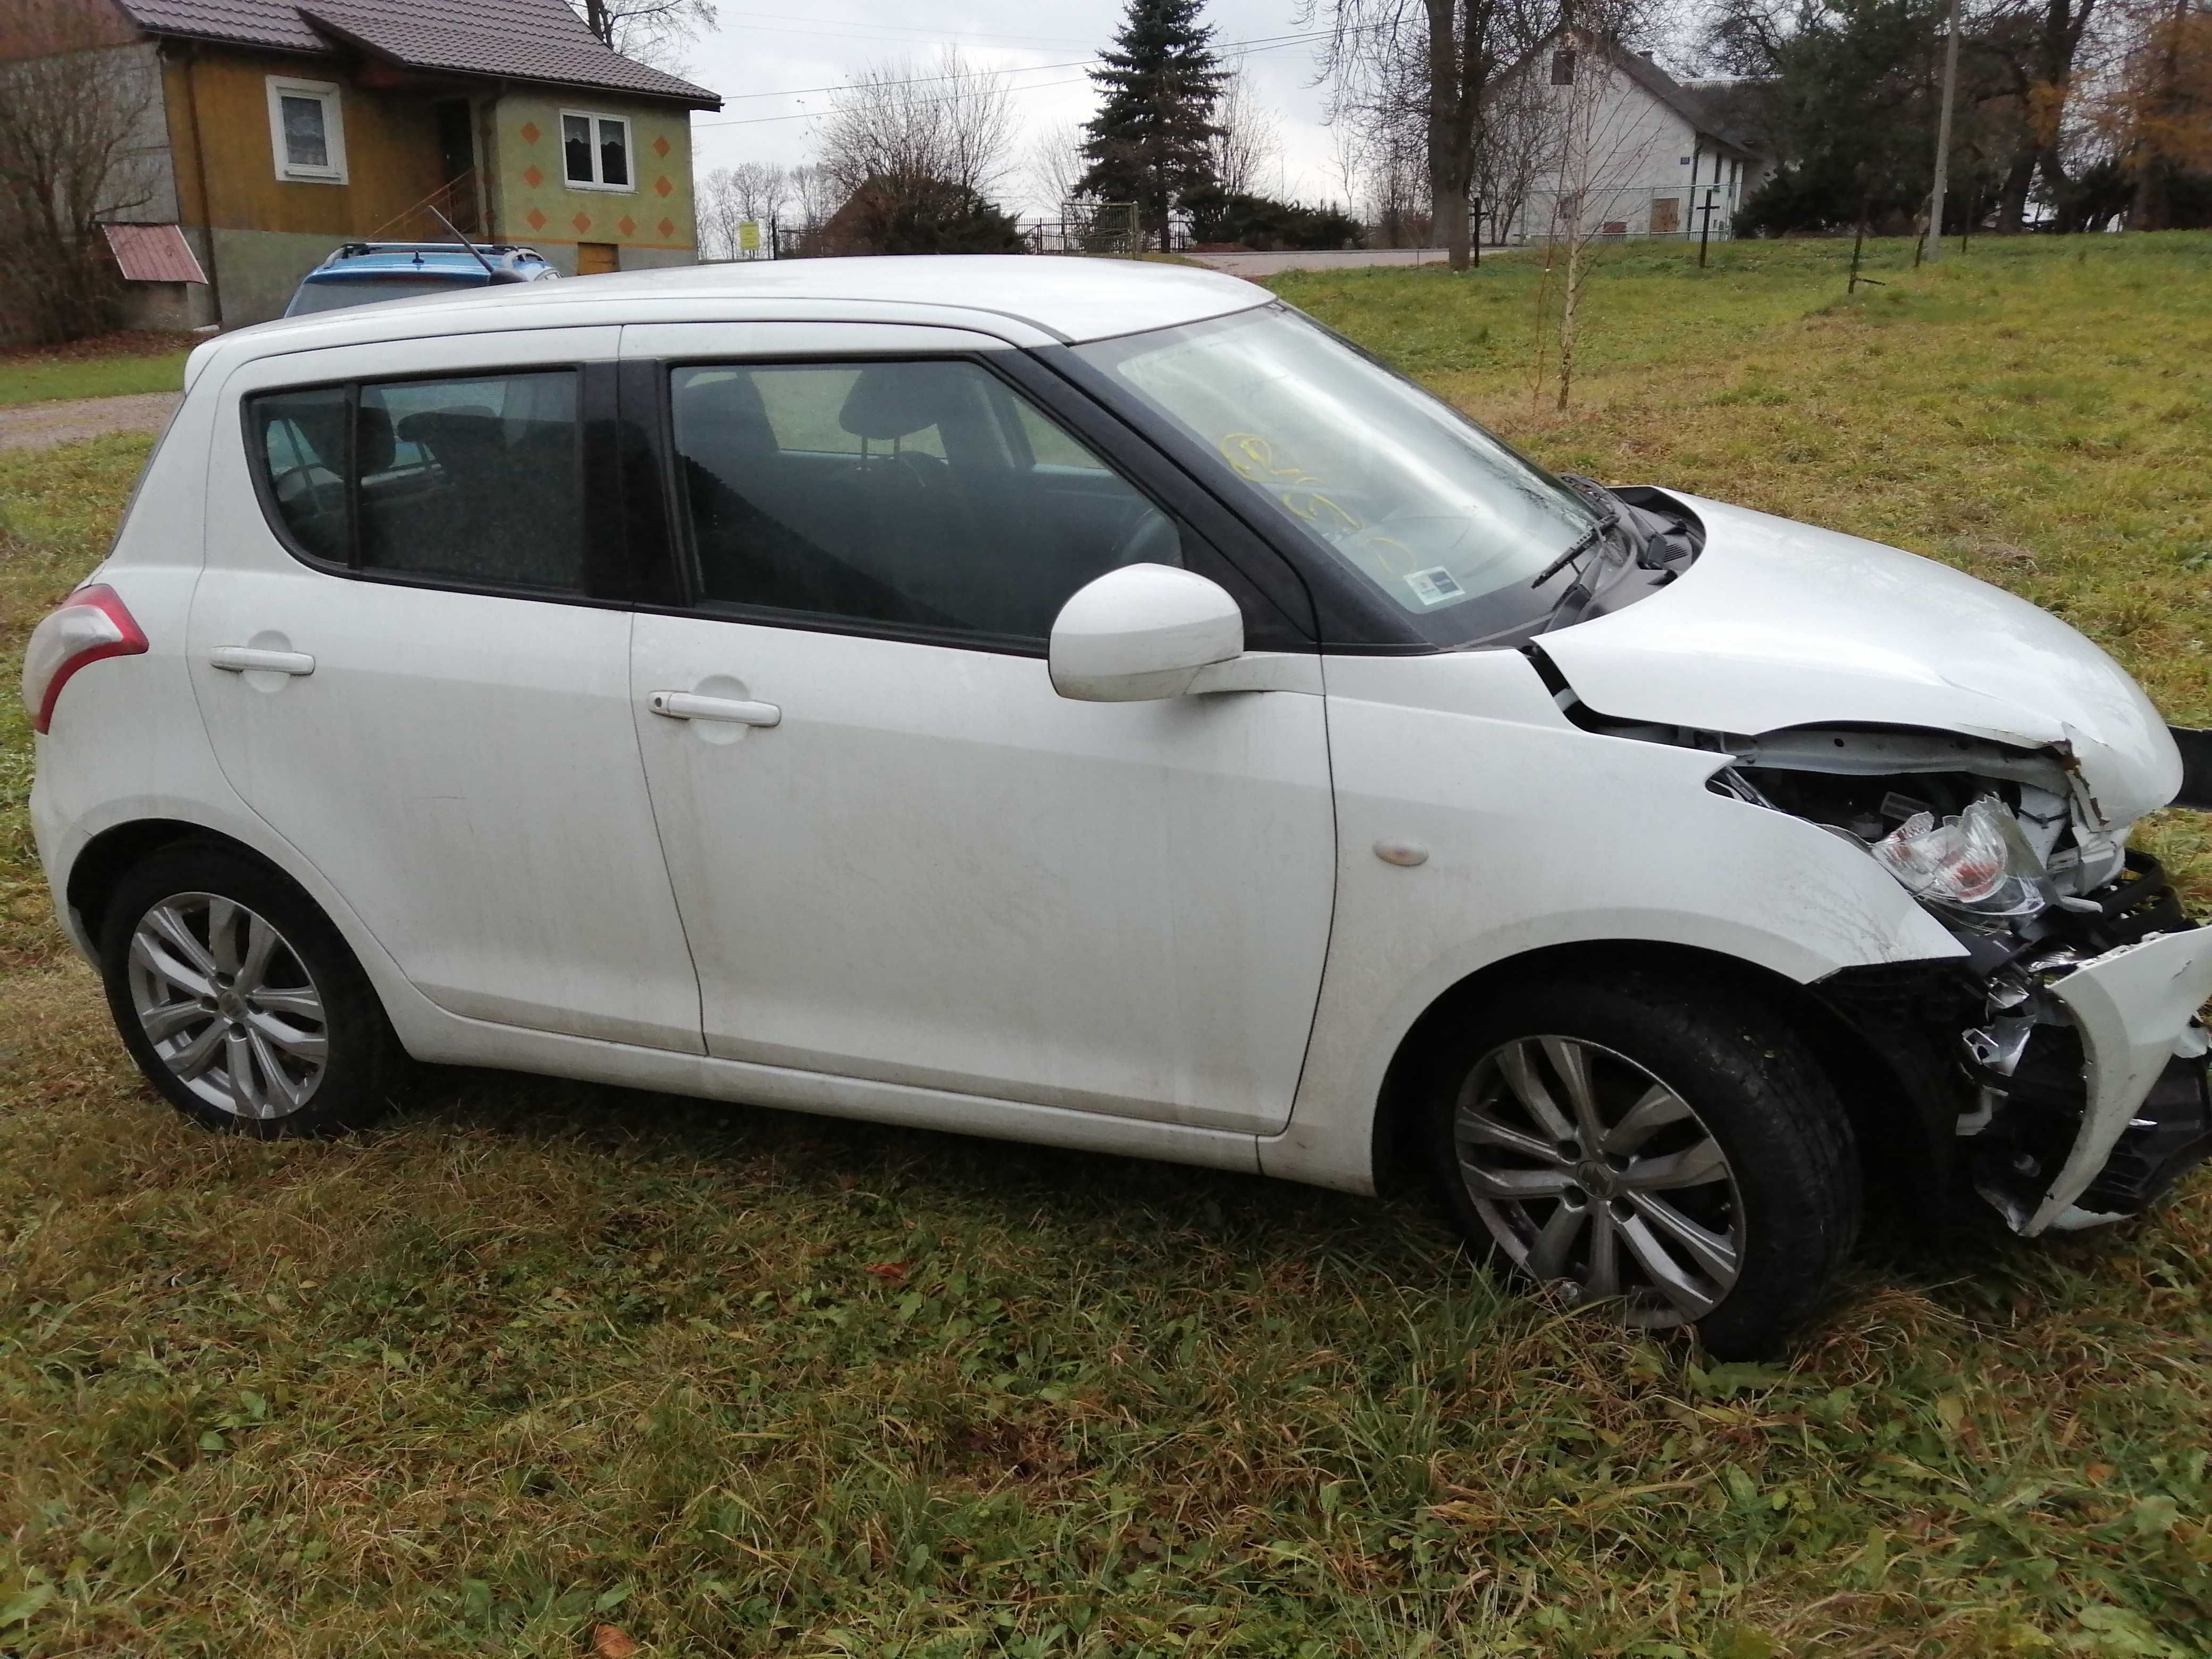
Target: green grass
(30, 379)
(539, 1356)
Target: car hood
(1779, 624)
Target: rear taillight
(91, 623)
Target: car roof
(1024, 299)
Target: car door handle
(686, 706)
(245, 659)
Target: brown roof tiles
(535, 40)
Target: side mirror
(1140, 633)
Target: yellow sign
(749, 236)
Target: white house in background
(1625, 148)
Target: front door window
(922, 497)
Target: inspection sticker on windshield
(1434, 584)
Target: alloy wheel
(228, 1005)
(1593, 1174)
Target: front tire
(1671, 1151)
(239, 999)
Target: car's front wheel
(1673, 1152)
(239, 1000)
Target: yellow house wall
(652, 224)
(391, 150)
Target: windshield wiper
(1582, 545)
(1580, 591)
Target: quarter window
(927, 497)
(595, 151)
(476, 480)
(307, 131)
(300, 451)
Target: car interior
(906, 493)
(451, 485)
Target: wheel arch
(103, 861)
(1902, 1127)
(109, 855)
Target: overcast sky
(764, 62)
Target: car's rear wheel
(1676, 1156)
(239, 999)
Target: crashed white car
(1094, 704)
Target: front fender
(1539, 835)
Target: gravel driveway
(41, 426)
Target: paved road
(41, 426)
(1266, 264)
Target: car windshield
(374, 290)
(1442, 518)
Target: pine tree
(1148, 143)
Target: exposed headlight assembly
(1978, 868)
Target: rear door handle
(686, 706)
(245, 659)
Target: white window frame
(629, 149)
(325, 92)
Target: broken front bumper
(2113, 1101)
(2135, 1011)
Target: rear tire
(1673, 1150)
(239, 999)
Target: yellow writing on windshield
(1252, 457)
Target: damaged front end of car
(2063, 1046)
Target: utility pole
(1943, 134)
(1705, 228)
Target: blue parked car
(366, 273)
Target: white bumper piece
(2135, 1008)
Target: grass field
(98, 368)
(539, 1360)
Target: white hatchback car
(1094, 704)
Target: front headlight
(1977, 867)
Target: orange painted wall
(530, 197)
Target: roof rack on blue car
(369, 273)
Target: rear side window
(476, 480)
(301, 456)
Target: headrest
(467, 432)
(723, 413)
(897, 400)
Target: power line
(1240, 48)
(822, 25)
(817, 115)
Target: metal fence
(1112, 228)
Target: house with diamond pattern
(280, 129)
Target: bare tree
(1603, 142)
(1055, 164)
(750, 192)
(1522, 135)
(815, 193)
(717, 198)
(753, 191)
(79, 135)
(1398, 63)
(651, 31)
(899, 122)
(1248, 139)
